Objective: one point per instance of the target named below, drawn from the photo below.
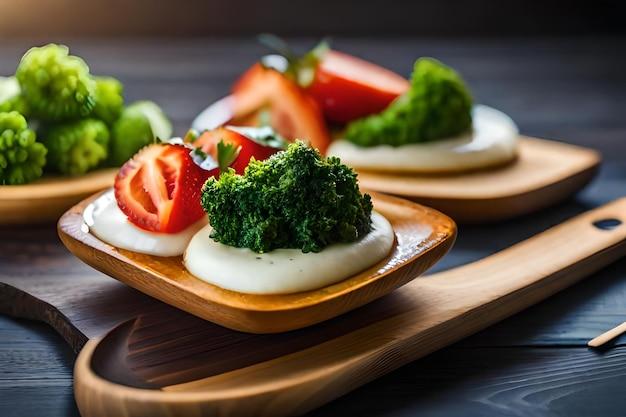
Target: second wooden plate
(46, 199)
(545, 173)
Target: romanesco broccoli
(437, 106)
(294, 199)
(140, 124)
(109, 100)
(57, 86)
(22, 158)
(78, 119)
(76, 147)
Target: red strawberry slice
(159, 188)
(265, 92)
(238, 148)
(348, 88)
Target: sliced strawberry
(266, 92)
(159, 188)
(239, 145)
(347, 87)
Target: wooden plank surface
(161, 365)
(513, 368)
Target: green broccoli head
(22, 158)
(437, 106)
(295, 199)
(76, 147)
(140, 124)
(109, 100)
(57, 86)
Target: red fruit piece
(292, 112)
(244, 147)
(348, 88)
(159, 188)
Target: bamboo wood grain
(422, 316)
(607, 336)
(46, 199)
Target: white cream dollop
(109, 224)
(283, 271)
(493, 140)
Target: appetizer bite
(289, 221)
(433, 127)
(371, 117)
(154, 207)
(76, 122)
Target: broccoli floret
(76, 147)
(437, 106)
(79, 119)
(294, 199)
(109, 99)
(22, 158)
(140, 124)
(57, 86)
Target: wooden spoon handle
(427, 314)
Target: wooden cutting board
(139, 356)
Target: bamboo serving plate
(46, 199)
(422, 236)
(544, 173)
(164, 364)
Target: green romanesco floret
(76, 147)
(294, 199)
(22, 158)
(109, 99)
(57, 86)
(80, 121)
(140, 124)
(437, 106)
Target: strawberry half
(159, 188)
(263, 92)
(344, 86)
(348, 88)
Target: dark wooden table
(534, 363)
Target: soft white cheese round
(492, 141)
(284, 271)
(109, 224)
